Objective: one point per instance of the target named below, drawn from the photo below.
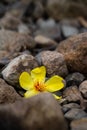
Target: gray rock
(69, 30)
(39, 112)
(54, 62)
(75, 113)
(50, 32)
(69, 106)
(7, 93)
(83, 88)
(19, 64)
(74, 79)
(80, 124)
(22, 28)
(46, 23)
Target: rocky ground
(52, 33)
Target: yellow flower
(34, 83)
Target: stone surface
(83, 88)
(72, 94)
(44, 42)
(53, 32)
(69, 30)
(74, 79)
(54, 62)
(80, 124)
(39, 112)
(9, 22)
(15, 42)
(19, 64)
(69, 106)
(74, 50)
(66, 8)
(7, 93)
(75, 113)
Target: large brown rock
(39, 112)
(74, 50)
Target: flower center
(39, 86)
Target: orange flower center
(39, 86)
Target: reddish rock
(74, 50)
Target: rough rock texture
(14, 42)
(19, 64)
(66, 8)
(75, 113)
(72, 94)
(39, 112)
(7, 93)
(74, 50)
(54, 62)
(83, 88)
(80, 124)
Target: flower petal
(54, 84)
(57, 97)
(26, 81)
(31, 93)
(38, 74)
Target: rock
(69, 106)
(74, 79)
(74, 50)
(54, 63)
(72, 94)
(80, 124)
(43, 42)
(69, 30)
(39, 112)
(9, 22)
(83, 88)
(19, 64)
(13, 42)
(53, 32)
(50, 23)
(7, 93)
(66, 8)
(23, 28)
(34, 9)
(75, 113)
